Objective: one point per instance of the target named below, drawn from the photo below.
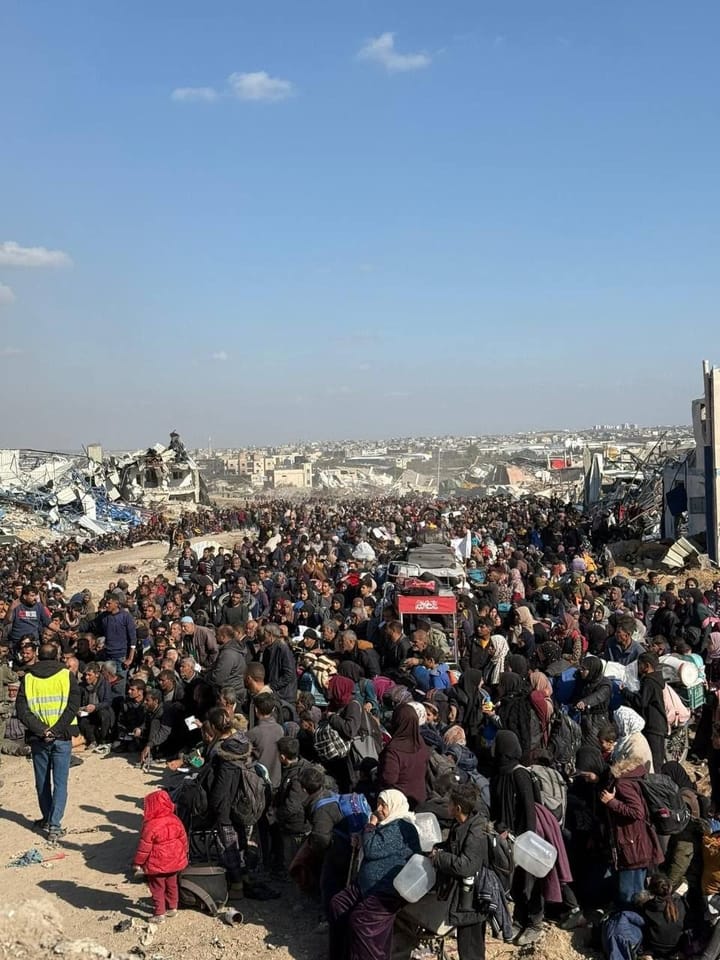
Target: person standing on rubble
(118, 628)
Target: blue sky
(280, 220)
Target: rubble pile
(93, 495)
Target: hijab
(518, 664)
(514, 707)
(468, 695)
(540, 683)
(627, 723)
(594, 667)
(525, 618)
(353, 671)
(589, 760)
(397, 807)
(420, 711)
(340, 692)
(500, 652)
(405, 730)
(507, 755)
(454, 734)
(549, 652)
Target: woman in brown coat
(636, 846)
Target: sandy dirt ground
(96, 570)
(86, 894)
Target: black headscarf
(514, 708)
(503, 791)
(518, 664)
(594, 667)
(467, 694)
(548, 652)
(353, 671)
(589, 760)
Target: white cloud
(10, 352)
(6, 294)
(258, 86)
(13, 255)
(194, 94)
(382, 50)
(220, 356)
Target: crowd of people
(305, 724)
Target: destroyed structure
(91, 494)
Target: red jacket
(636, 842)
(163, 846)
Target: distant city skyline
(266, 221)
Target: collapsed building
(90, 494)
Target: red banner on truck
(427, 606)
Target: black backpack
(668, 812)
(252, 797)
(564, 742)
(500, 859)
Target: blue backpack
(564, 686)
(354, 808)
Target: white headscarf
(420, 711)
(500, 651)
(628, 722)
(397, 807)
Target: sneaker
(40, 824)
(158, 919)
(55, 833)
(103, 749)
(171, 913)
(528, 936)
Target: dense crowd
(308, 728)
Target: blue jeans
(51, 763)
(630, 883)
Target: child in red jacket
(162, 853)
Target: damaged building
(93, 494)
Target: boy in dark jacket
(649, 702)
(290, 826)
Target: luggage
(203, 888)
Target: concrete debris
(92, 495)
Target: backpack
(564, 686)
(550, 790)
(252, 797)
(500, 858)
(676, 711)
(438, 765)
(355, 812)
(329, 745)
(564, 742)
(666, 808)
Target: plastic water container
(533, 854)
(428, 830)
(675, 670)
(415, 879)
